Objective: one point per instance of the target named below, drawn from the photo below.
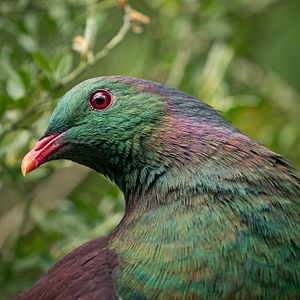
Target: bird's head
(122, 127)
(99, 123)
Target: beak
(40, 152)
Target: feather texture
(210, 213)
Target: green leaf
(2, 104)
(15, 88)
(25, 77)
(23, 102)
(28, 43)
(46, 84)
(42, 61)
(64, 65)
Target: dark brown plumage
(85, 273)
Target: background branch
(71, 77)
(84, 66)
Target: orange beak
(40, 152)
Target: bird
(210, 213)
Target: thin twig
(83, 66)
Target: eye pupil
(100, 99)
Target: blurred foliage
(240, 56)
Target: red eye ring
(100, 99)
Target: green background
(240, 56)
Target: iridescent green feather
(210, 214)
(209, 241)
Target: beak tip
(37, 156)
(28, 164)
(23, 170)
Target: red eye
(101, 99)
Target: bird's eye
(100, 99)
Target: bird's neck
(178, 161)
(184, 158)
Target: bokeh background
(241, 56)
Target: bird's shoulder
(84, 273)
